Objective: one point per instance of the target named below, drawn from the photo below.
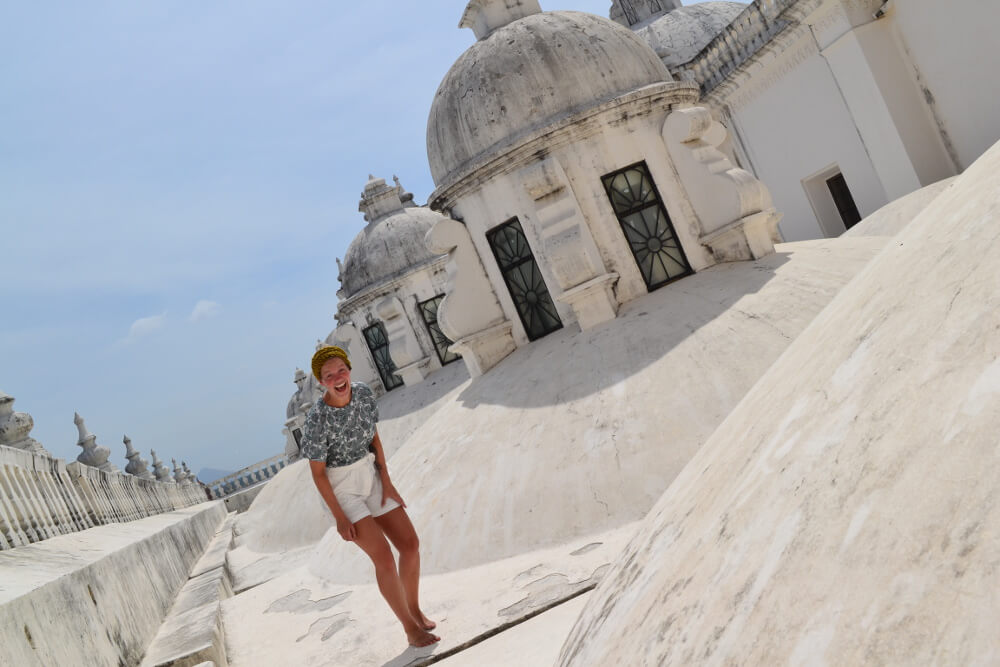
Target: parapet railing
(42, 496)
(247, 477)
(737, 43)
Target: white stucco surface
(952, 47)
(847, 511)
(528, 74)
(578, 432)
(894, 216)
(564, 444)
(797, 103)
(533, 643)
(301, 619)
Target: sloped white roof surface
(848, 510)
(578, 432)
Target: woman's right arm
(322, 482)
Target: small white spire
(483, 17)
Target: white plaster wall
(619, 144)
(420, 285)
(499, 200)
(579, 432)
(417, 287)
(617, 147)
(913, 119)
(834, 517)
(953, 50)
(794, 124)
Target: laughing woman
(348, 466)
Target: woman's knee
(381, 556)
(409, 544)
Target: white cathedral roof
(526, 74)
(679, 35)
(391, 244)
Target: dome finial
(485, 16)
(379, 199)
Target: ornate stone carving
(136, 464)
(15, 427)
(734, 209)
(178, 472)
(630, 12)
(160, 471)
(469, 314)
(485, 16)
(92, 455)
(569, 248)
(189, 477)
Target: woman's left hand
(389, 491)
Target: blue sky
(176, 181)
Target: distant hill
(208, 475)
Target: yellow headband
(325, 354)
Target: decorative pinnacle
(81, 428)
(485, 16)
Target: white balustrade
(251, 475)
(736, 44)
(42, 496)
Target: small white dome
(527, 74)
(391, 244)
(680, 35)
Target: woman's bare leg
(397, 527)
(371, 539)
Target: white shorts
(358, 489)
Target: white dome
(526, 75)
(392, 244)
(680, 35)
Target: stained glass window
(524, 280)
(429, 311)
(647, 226)
(378, 344)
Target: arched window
(428, 311)
(524, 280)
(647, 227)
(378, 345)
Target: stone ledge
(98, 596)
(241, 500)
(189, 639)
(215, 555)
(193, 630)
(201, 590)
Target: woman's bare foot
(421, 638)
(424, 622)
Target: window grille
(646, 225)
(523, 279)
(429, 311)
(378, 345)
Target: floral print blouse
(341, 436)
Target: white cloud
(146, 325)
(204, 310)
